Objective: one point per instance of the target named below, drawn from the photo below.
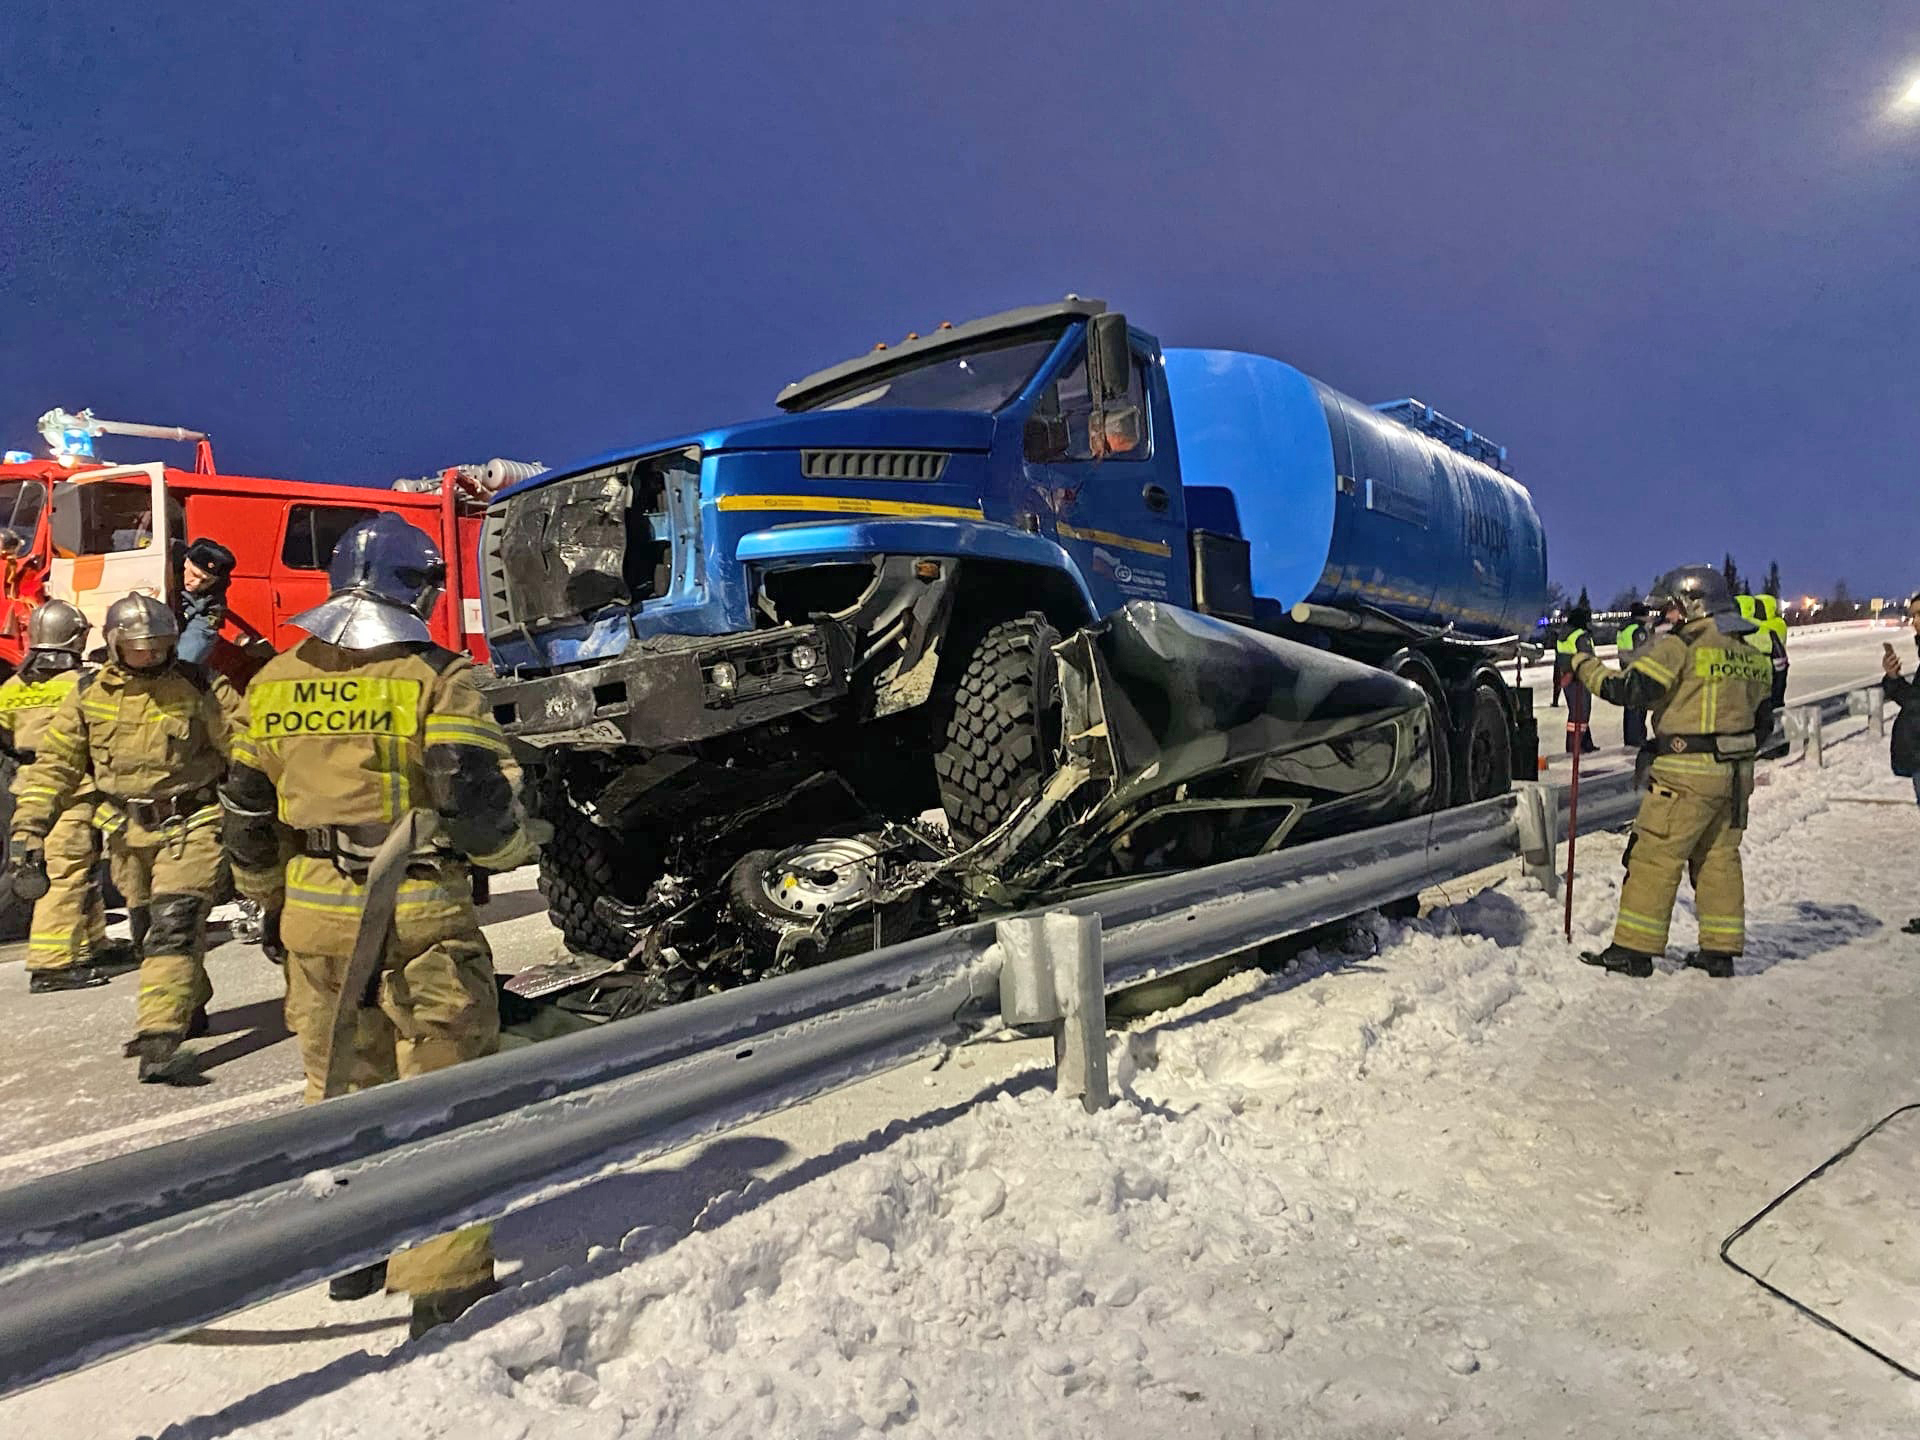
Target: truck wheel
(578, 866)
(1489, 757)
(15, 915)
(999, 733)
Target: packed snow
(1434, 1178)
(1437, 1178)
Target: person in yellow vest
(1769, 637)
(1707, 692)
(1579, 704)
(363, 737)
(67, 945)
(153, 736)
(1629, 638)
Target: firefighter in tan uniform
(67, 946)
(353, 734)
(1709, 694)
(154, 737)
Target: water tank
(1343, 506)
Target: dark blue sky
(1668, 253)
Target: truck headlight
(805, 657)
(723, 676)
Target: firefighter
(67, 946)
(1708, 693)
(1579, 703)
(1769, 637)
(1630, 637)
(356, 734)
(154, 734)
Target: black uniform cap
(212, 557)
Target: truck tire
(999, 731)
(1488, 770)
(576, 867)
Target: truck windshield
(982, 377)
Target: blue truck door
(1121, 518)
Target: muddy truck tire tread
(994, 744)
(576, 868)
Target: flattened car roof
(803, 392)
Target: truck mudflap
(675, 690)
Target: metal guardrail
(136, 1249)
(1803, 721)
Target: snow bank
(1439, 1179)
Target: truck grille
(872, 464)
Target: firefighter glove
(270, 943)
(28, 862)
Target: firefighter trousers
(167, 875)
(432, 1004)
(1686, 827)
(70, 920)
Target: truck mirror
(1044, 438)
(1123, 429)
(1107, 358)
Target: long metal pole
(1579, 729)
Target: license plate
(600, 732)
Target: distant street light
(1910, 97)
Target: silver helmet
(56, 625)
(387, 577)
(1698, 591)
(140, 632)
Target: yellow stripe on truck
(1124, 542)
(849, 505)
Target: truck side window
(20, 505)
(1076, 407)
(314, 530)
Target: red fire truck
(80, 530)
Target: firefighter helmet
(386, 577)
(1698, 591)
(56, 625)
(140, 632)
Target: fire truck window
(20, 505)
(314, 530)
(102, 519)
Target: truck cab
(901, 593)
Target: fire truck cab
(93, 533)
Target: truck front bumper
(677, 689)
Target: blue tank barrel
(1342, 505)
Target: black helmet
(386, 577)
(1697, 591)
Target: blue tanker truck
(1008, 612)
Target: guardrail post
(1539, 821)
(1814, 751)
(1877, 709)
(1051, 974)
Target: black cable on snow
(1774, 1204)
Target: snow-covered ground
(1442, 1179)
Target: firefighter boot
(441, 1307)
(1620, 960)
(161, 1061)
(358, 1284)
(1719, 966)
(113, 957)
(67, 977)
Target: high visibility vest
(1760, 637)
(1628, 636)
(1570, 642)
